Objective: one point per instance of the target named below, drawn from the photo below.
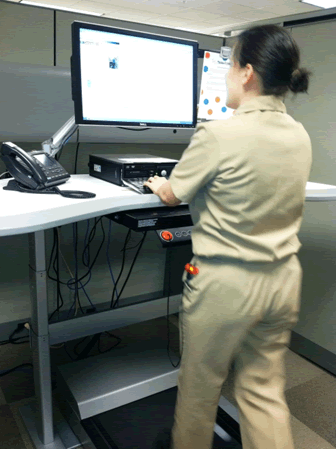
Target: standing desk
(32, 214)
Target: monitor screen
(122, 77)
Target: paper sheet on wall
(212, 100)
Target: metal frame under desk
(46, 429)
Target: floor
(310, 392)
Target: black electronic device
(153, 219)
(35, 170)
(130, 170)
(124, 77)
(173, 226)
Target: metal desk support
(38, 416)
(40, 334)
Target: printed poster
(213, 88)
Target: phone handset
(22, 166)
(36, 172)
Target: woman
(244, 179)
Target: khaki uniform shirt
(244, 179)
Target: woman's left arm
(162, 188)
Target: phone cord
(78, 194)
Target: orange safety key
(191, 269)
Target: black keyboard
(137, 185)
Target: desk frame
(38, 417)
(39, 335)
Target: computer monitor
(123, 77)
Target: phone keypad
(53, 174)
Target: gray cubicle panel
(26, 35)
(37, 102)
(315, 334)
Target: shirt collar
(262, 103)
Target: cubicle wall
(315, 334)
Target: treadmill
(124, 399)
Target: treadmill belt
(136, 425)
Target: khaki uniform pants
(241, 312)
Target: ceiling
(210, 17)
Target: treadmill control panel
(175, 236)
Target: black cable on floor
(13, 369)
(114, 346)
(84, 354)
(15, 341)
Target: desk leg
(40, 336)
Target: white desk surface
(21, 213)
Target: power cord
(84, 354)
(108, 252)
(128, 236)
(131, 268)
(86, 263)
(5, 175)
(15, 341)
(129, 273)
(75, 244)
(72, 282)
(4, 373)
(96, 256)
(168, 329)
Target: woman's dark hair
(275, 57)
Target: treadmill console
(173, 226)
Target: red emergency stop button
(166, 235)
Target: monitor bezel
(76, 75)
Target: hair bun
(299, 80)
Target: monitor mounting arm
(60, 138)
